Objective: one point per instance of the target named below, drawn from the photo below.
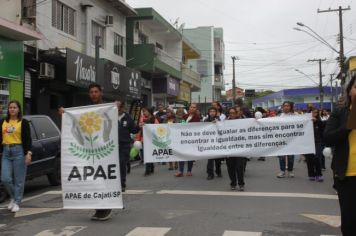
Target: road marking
(249, 194)
(33, 211)
(148, 231)
(241, 233)
(138, 192)
(66, 231)
(333, 221)
(327, 235)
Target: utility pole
(233, 80)
(321, 90)
(341, 35)
(332, 93)
(97, 57)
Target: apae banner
(288, 135)
(90, 158)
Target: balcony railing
(191, 76)
(168, 59)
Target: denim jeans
(13, 171)
(181, 166)
(290, 162)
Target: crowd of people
(329, 130)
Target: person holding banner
(96, 97)
(213, 117)
(236, 165)
(219, 109)
(16, 143)
(192, 116)
(170, 119)
(340, 133)
(126, 128)
(314, 160)
(146, 118)
(286, 163)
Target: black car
(46, 140)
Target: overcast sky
(260, 33)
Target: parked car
(46, 140)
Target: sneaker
(233, 187)
(189, 174)
(15, 208)
(102, 215)
(312, 178)
(281, 174)
(319, 179)
(290, 174)
(11, 204)
(210, 177)
(179, 174)
(241, 188)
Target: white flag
(90, 158)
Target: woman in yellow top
(344, 161)
(16, 145)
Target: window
(33, 132)
(97, 30)
(142, 39)
(202, 67)
(118, 45)
(63, 17)
(44, 127)
(4, 96)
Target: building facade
(300, 97)
(210, 41)
(12, 36)
(59, 67)
(154, 47)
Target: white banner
(90, 158)
(288, 135)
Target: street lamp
(317, 37)
(301, 72)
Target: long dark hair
(19, 115)
(348, 89)
(291, 104)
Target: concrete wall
(203, 39)
(173, 47)
(11, 10)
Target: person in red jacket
(192, 116)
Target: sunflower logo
(90, 122)
(88, 128)
(161, 137)
(161, 132)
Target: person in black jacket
(126, 127)
(343, 164)
(16, 144)
(213, 117)
(314, 160)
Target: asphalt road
(162, 204)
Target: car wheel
(3, 194)
(54, 178)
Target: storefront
(12, 61)
(164, 90)
(74, 72)
(184, 92)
